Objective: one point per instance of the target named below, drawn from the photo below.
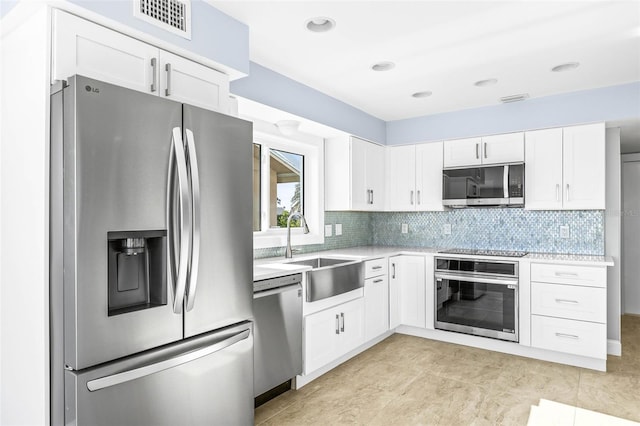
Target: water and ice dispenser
(137, 270)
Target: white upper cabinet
(543, 169)
(583, 151)
(85, 48)
(354, 175)
(82, 47)
(186, 81)
(565, 168)
(462, 152)
(496, 149)
(414, 177)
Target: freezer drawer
(203, 381)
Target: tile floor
(407, 380)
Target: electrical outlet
(338, 229)
(405, 228)
(446, 229)
(328, 230)
(564, 231)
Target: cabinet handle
(372, 196)
(557, 192)
(477, 151)
(154, 79)
(418, 196)
(393, 269)
(567, 192)
(411, 197)
(566, 274)
(337, 324)
(568, 336)
(167, 91)
(567, 301)
(342, 320)
(485, 150)
(377, 281)
(376, 267)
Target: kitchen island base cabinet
(331, 333)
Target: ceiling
(443, 47)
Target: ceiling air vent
(171, 15)
(514, 98)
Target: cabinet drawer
(570, 336)
(569, 301)
(590, 276)
(375, 267)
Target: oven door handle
(499, 281)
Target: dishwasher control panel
(276, 282)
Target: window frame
(312, 149)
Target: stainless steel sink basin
(330, 277)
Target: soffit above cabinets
(443, 47)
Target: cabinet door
(462, 152)
(394, 292)
(584, 167)
(507, 148)
(429, 176)
(82, 47)
(360, 195)
(376, 308)
(351, 326)
(186, 81)
(401, 178)
(543, 170)
(321, 338)
(411, 290)
(375, 175)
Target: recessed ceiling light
(485, 83)
(383, 66)
(424, 94)
(565, 67)
(514, 98)
(321, 24)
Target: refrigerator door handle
(136, 373)
(179, 279)
(192, 165)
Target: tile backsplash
(492, 228)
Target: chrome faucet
(288, 254)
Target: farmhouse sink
(330, 276)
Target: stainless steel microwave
(484, 186)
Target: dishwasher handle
(279, 290)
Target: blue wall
(270, 88)
(603, 104)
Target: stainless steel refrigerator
(151, 260)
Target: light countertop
(277, 266)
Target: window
(287, 179)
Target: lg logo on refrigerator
(91, 89)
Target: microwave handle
(505, 181)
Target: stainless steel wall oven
(477, 296)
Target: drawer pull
(567, 336)
(377, 267)
(566, 274)
(337, 324)
(567, 301)
(377, 281)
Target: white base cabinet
(407, 298)
(569, 309)
(331, 333)
(85, 48)
(376, 298)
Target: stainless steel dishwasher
(277, 309)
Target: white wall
(613, 244)
(24, 216)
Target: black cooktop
(481, 252)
